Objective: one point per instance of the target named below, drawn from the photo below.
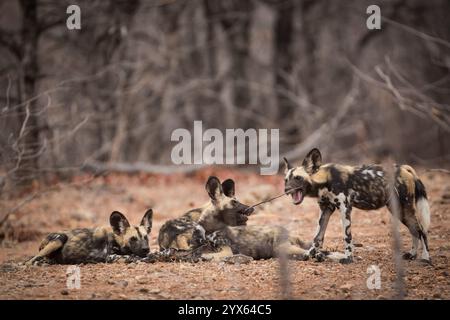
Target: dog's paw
(409, 256)
(38, 261)
(346, 260)
(312, 252)
(114, 258)
(132, 259)
(319, 257)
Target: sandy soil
(85, 204)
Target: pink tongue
(298, 196)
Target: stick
(271, 199)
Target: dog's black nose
(145, 251)
(249, 210)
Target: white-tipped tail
(423, 216)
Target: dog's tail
(421, 200)
(422, 205)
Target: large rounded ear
(118, 222)
(312, 161)
(287, 165)
(147, 220)
(228, 188)
(214, 188)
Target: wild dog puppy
(365, 187)
(223, 209)
(101, 244)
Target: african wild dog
(223, 209)
(101, 244)
(364, 187)
(258, 242)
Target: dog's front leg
(345, 207)
(326, 210)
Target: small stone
(315, 272)
(437, 296)
(155, 291)
(123, 283)
(346, 287)
(164, 295)
(141, 279)
(64, 292)
(143, 290)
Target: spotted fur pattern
(101, 244)
(341, 187)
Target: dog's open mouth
(297, 196)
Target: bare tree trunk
(29, 142)
(210, 38)
(236, 18)
(283, 59)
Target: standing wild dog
(364, 187)
(101, 244)
(223, 209)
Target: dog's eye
(298, 178)
(234, 202)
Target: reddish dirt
(86, 204)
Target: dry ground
(84, 204)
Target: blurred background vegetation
(113, 92)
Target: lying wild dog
(258, 242)
(101, 244)
(223, 209)
(365, 187)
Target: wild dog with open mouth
(365, 187)
(223, 209)
(101, 244)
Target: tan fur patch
(194, 215)
(182, 241)
(301, 172)
(321, 176)
(129, 233)
(406, 176)
(102, 232)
